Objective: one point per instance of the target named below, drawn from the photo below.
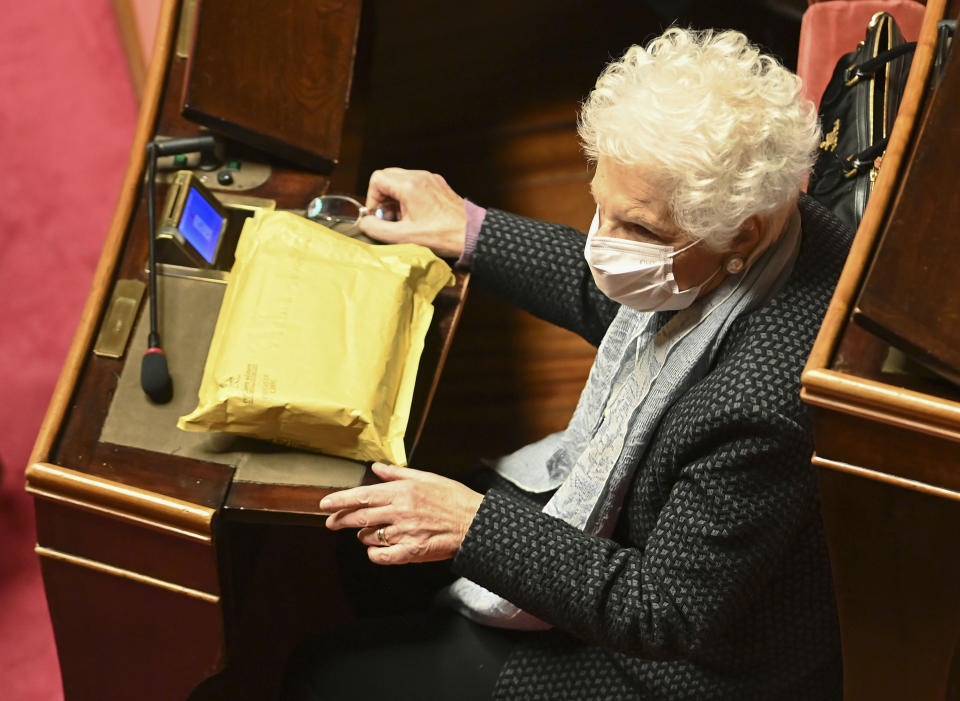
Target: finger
(389, 211)
(383, 230)
(401, 554)
(388, 185)
(393, 555)
(377, 189)
(391, 473)
(359, 518)
(358, 497)
(370, 536)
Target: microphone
(186, 144)
(154, 373)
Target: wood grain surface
(888, 442)
(274, 75)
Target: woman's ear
(746, 245)
(751, 234)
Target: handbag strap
(869, 67)
(859, 162)
(946, 30)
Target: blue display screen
(201, 225)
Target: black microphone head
(155, 377)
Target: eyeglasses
(342, 209)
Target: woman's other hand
(428, 212)
(423, 516)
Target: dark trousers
(403, 648)
(434, 654)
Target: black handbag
(857, 113)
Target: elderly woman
(667, 544)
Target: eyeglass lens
(335, 208)
(343, 208)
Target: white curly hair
(724, 128)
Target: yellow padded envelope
(318, 340)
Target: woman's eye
(642, 232)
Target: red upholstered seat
(831, 29)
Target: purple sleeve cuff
(475, 215)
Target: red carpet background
(67, 115)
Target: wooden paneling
(888, 448)
(275, 76)
(876, 445)
(910, 295)
(122, 638)
(113, 540)
(896, 575)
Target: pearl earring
(733, 265)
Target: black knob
(225, 177)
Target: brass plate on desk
(228, 199)
(188, 22)
(121, 315)
(205, 274)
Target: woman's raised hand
(428, 212)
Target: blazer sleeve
(743, 489)
(540, 268)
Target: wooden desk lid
(276, 77)
(861, 391)
(911, 295)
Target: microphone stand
(154, 373)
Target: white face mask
(638, 275)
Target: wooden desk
(144, 554)
(162, 572)
(888, 453)
(159, 571)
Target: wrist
(475, 215)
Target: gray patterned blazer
(716, 583)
